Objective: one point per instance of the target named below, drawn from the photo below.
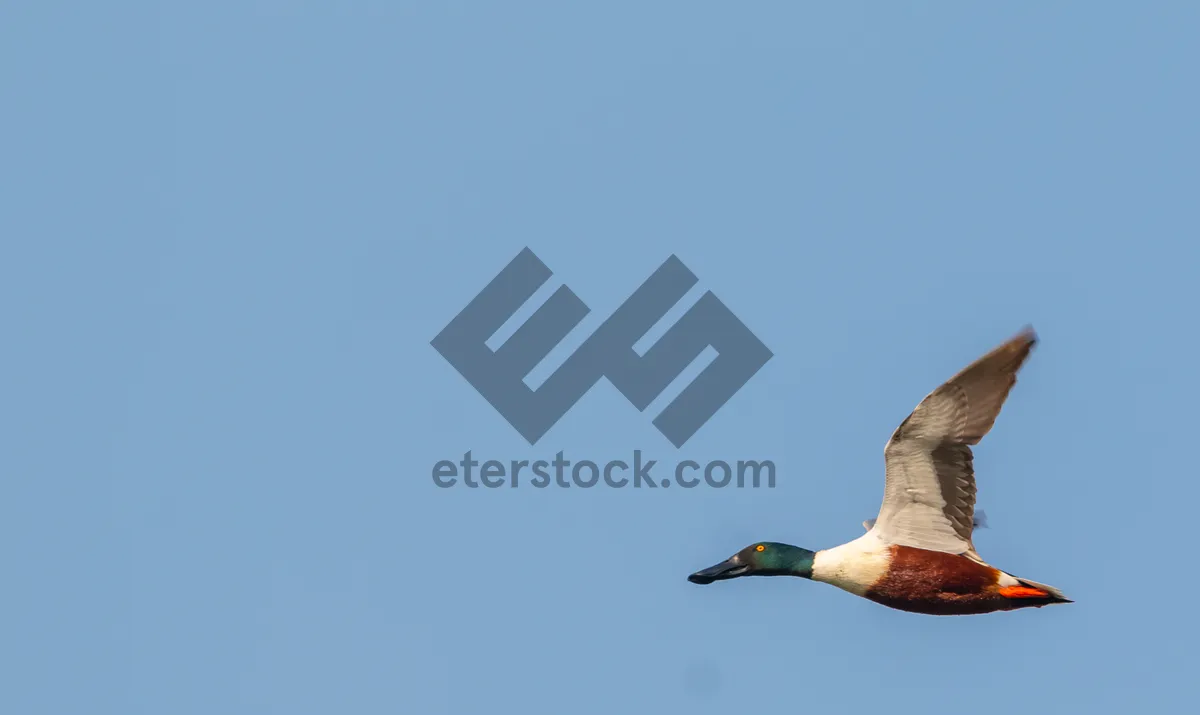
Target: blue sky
(232, 229)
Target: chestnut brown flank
(941, 584)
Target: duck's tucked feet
(1023, 592)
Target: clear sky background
(230, 231)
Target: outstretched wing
(929, 498)
(979, 522)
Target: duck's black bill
(720, 572)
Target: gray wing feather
(979, 522)
(929, 497)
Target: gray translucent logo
(609, 352)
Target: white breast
(854, 566)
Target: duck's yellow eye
(760, 547)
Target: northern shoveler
(918, 555)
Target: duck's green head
(765, 558)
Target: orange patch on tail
(1023, 592)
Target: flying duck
(917, 555)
